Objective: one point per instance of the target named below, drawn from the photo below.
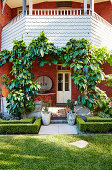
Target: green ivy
(80, 55)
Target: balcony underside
(59, 29)
(18, 3)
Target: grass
(54, 152)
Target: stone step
(58, 120)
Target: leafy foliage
(45, 105)
(103, 115)
(80, 55)
(22, 86)
(70, 104)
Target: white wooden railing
(48, 12)
(58, 12)
(99, 18)
(18, 17)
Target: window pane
(66, 78)
(60, 82)
(66, 82)
(59, 67)
(66, 86)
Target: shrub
(103, 115)
(94, 126)
(22, 121)
(38, 122)
(98, 119)
(20, 128)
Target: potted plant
(71, 115)
(46, 115)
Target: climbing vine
(22, 86)
(80, 55)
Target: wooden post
(92, 6)
(3, 5)
(24, 7)
(30, 7)
(85, 7)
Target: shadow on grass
(54, 152)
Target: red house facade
(60, 21)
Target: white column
(92, 6)
(30, 7)
(3, 5)
(85, 7)
(24, 7)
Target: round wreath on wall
(45, 84)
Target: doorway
(63, 87)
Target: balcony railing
(48, 12)
(18, 17)
(59, 25)
(102, 20)
(58, 12)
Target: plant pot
(71, 118)
(46, 118)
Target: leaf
(55, 62)
(72, 65)
(79, 99)
(85, 69)
(42, 52)
(42, 63)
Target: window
(64, 5)
(60, 67)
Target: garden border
(93, 126)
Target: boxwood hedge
(93, 126)
(22, 121)
(20, 128)
(98, 119)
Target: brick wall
(5, 69)
(104, 9)
(107, 70)
(46, 70)
(51, 72)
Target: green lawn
(55, 152)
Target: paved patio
(54, 129)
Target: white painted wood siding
(15, 31)
(101, 33)
(59, 30)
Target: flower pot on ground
(46, 115)
(46, 118)
(71, 115)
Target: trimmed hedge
(93, 126)
(22, 121)
(20, 128)
(98, 119)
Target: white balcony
(59, 25)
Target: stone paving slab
(54, 129)
(80, 143)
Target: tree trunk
(24, 115)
